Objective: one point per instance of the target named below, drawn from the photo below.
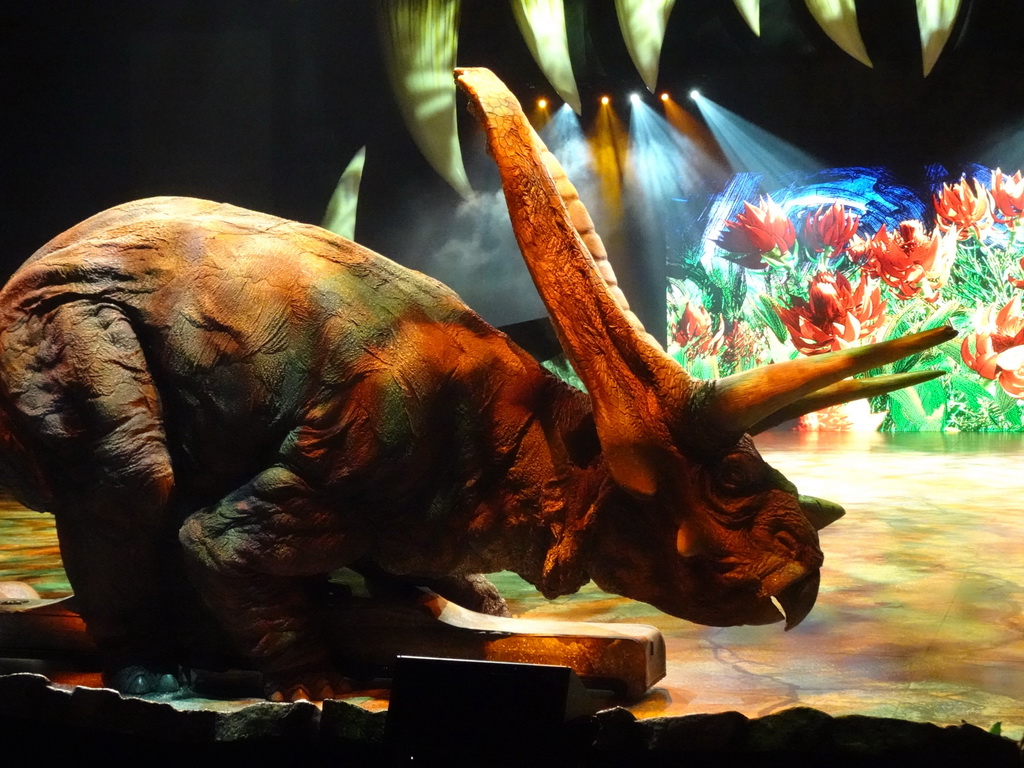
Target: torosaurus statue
(220, 407)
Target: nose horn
(819, 511)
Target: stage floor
(920, 614)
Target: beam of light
(671, 161)
(643, 24)
(420, 38)
(838, 20)
(750, 10)
(340, 217)
(1003, 149)
(609, 146)
(695, 131)
(935, 19)
(564, 136)
(542, 25)
(749, 148)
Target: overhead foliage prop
(838, 20)
(751, 12)
(935, 19)
(340, 217)
(643, 25)
(542, 25)
(420, 39)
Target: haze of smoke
(477, 256)
(476, 252)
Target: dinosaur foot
(305, 685)
(142, 679)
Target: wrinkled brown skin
(285, 403)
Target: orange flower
(835, 316)
(1007, 196)
(959, 208)
(999, 347)
(694, 331)
(758, 231)
(908, 260)
(829, 228)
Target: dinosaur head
(694, 521)
(726, 540)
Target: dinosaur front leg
(473, 591)
(248, 556)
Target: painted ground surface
(921, 610)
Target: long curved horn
(584, 226)
(843, 392)
(644, 402)
(746, 399)
(632, 382)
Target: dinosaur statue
(220, 407)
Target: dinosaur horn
(843, 392)
(748, 400)
(629, 377)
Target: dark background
(262, 103)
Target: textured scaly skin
(194, 389)
(292, 401)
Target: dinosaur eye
(739, 471)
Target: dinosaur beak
(796, 600)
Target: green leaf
(700, 368)
(913, 413)
(940, 316)
(1005, 403)
(560, 366)
(764, 312)
(933, 395)
(1009, 408)
(972, 390)
(906, 411)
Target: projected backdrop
(848, 256)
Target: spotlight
(542, 103)
(694, 94)
(664, 97)
(634, 98)
(605, 100)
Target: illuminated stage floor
(921, 609)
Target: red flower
(829, 228)
(742, 347)
(908, 260)
(959, 208)
(1016, 282)
(758, 231)
(694, 331)
(1008, 196)
(999, 347)
(835, 316)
